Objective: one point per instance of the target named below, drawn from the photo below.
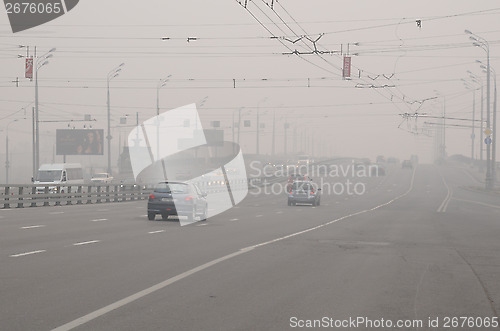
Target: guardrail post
(33, 193)
(58, 190)
(20, 198)
(98, 194)
(69, 202)
(89, 200)
(46, 193)
(79, 191)
(132, 193)
(107, 193)
(116, 193)
(6, 199)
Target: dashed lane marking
(86, 242)
(28, 253)
(32, 227)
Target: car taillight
(290, 191)
(188, 198)
(312, 191)
(151, 196)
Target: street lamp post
(112, 74)
(40, 62)
(161, 83)
(483, 44)
(479, 81)
(473, 135)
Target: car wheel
(204, 216)
(289, 203)
(192, 215)
(151, 216)
(314, 203)
(318, 203)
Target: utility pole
(112, 74)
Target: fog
(406, 58)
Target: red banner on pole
(29, 69)
(347, 67)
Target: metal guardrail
(28, 196)
(31, 195)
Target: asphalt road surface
(418, 245)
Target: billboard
(79, 142)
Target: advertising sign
(79, 142)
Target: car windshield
(301, 186)
(171, 188)
(48, 175)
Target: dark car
(177, 199)
(304, 192)
(407, 164)
(377, 170)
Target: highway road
(418, 245)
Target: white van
(58, 174)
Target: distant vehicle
(177, 199)
(58, 176)
(377, 170)
(380, 159)
(295, 177)
(127, 184)
(102, 178)
(407, 164)
(304, 192)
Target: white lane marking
(202, 224)
(446, 201)
(5, 209)
(234, 219)
(32, 227)
(477, 202)
(159, 231)
(259, 215)
(28, 253)
(86, 242)
(99, 220)
(93, 315)
(100, 312)
(56, 212)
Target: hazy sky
(403, 63)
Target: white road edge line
(99, 220)
(100, 312)
(86, 242)
(159, 231)
(28, 253)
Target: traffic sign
(487, 132)
(487, 141)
